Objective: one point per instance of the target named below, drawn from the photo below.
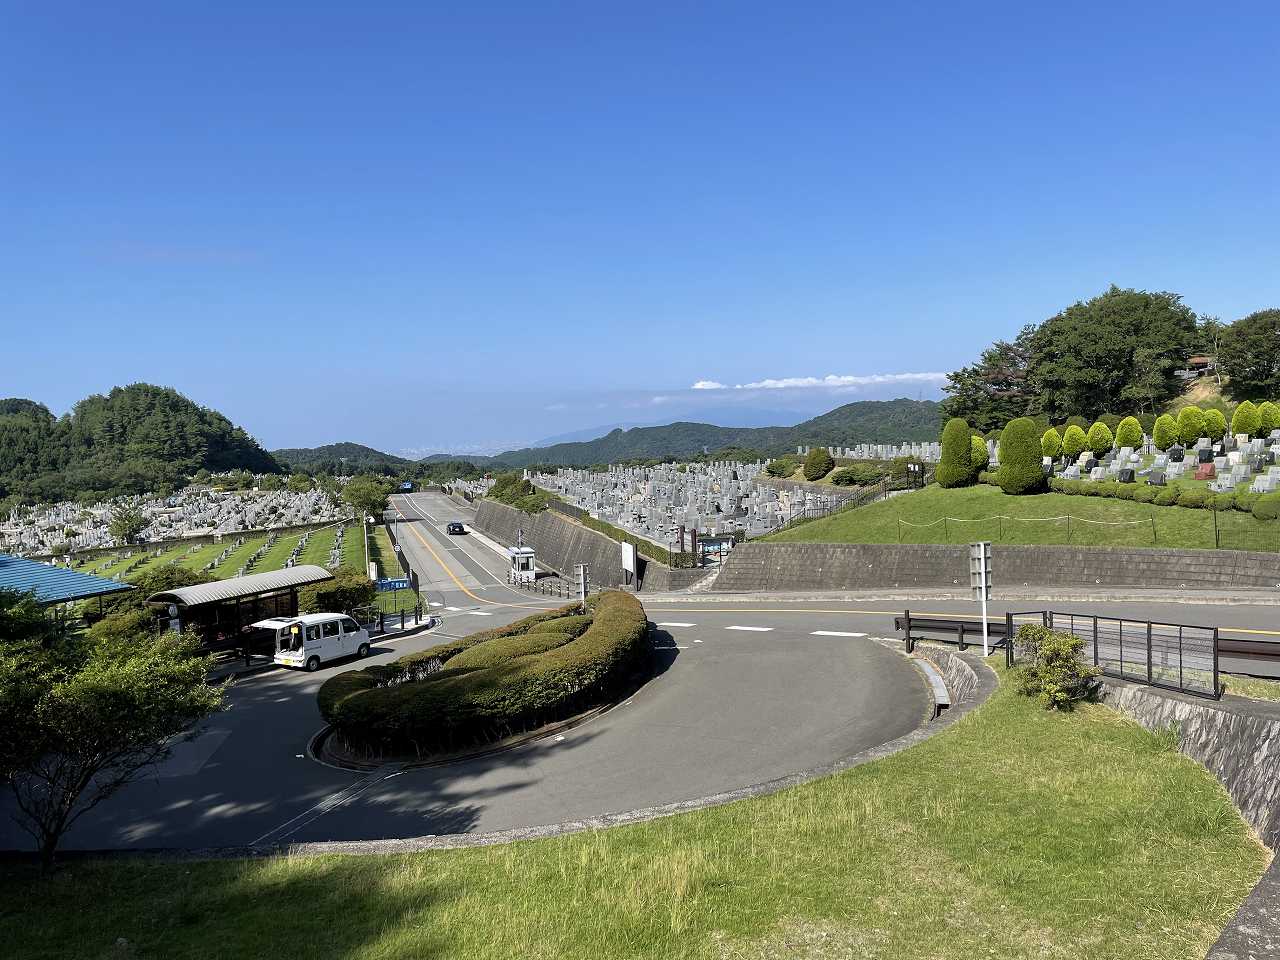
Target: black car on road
(455, 528)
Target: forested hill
(865, 421)
(136, 439)
(339, 458)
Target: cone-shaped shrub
(818, 463)
(979, 459)
(1190, 425)
(1215, 424)
(1245, 419)
(1268, 418)
(1074, 441)
(1051, 444)
(1100, 438)
(1020, 470)
(1129, 433)
(955, 469)
(1165, 432)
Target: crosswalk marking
(674, 623)
(752, 629)
(835, 633)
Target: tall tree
(1114, 352)
(994, 390)
(1250, 355)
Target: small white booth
(523, 568)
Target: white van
(314, 638)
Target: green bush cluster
(1245, 419)
(1191, 425)
(527, 678)
(516, 491)
(347, 590)
(1268, 418)
(1051, 444)
(1129, 433)
(781, 467)
(1074, 441)
(818, 463)
(1020, 467)
(1267, 506)
(1053, 668)
(1165, 432)
(979, 458)
(956, 466)
(672, 558)
(1100, 439)
(859, 475)
(1196, 498)
(1215, 424)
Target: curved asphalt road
(748, 690)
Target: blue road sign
(386, 584)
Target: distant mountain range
(864, 421)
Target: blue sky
(468, 226)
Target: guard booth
(523, 567)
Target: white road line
(453, 609)
(674, 623)
(478, 613)
(835, 633)
(752, 629)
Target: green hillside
(865, 421)
(339, 458)
(135, 439)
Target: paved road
(749, 689)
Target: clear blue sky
(428, 226)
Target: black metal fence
(1175, 656)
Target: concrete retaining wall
(560, 543)
(759, 566)
(961, 681)
(1237, 740)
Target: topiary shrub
(1145, 494)
(1267, 507)
(1190, 425)
(1245, 419)
(1221, 502)
(1053, 671)
(1051, 444)
(1100, 439)
(1020, 470)
(979, 458)
(1074, 441)
(818, 463)
(1165, 496)
(1215, 424)
(1268, 418)
(1129, 433)
(781, 467)
(955, 469)
(1165, 432)
(1197, 498)
(858, 475)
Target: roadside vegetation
(1020, 833)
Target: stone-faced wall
(765, 566)
(560, 543)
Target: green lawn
(317, 549)
(1256, 688)
(274, 558)
(1017, 834)
(382, 553)
(983, 512)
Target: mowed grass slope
(1016, 834)
(984, 512)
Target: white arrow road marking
(835, 633)
(752, 629)
(677, 624)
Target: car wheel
(362, 651)
(313, 664)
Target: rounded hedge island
(493, 684)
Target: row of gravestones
(1227, 465)
(297, 549)
(226, 552)
(335, 555)
(257, 554)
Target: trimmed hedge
(1267, 507)
(1051, 444)
(1165, 432)
(512, 679)
(1129, 433)
(1190, 425)
(1020, 468)
(1245, 419)
(818, 463)
(1268, 418)
(979, 458)
(859, 475)
(956, 466)
(1074, 440)
(1100, 438)
(1215, 424)
(1196, 498)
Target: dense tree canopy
(135, 439)
(1249, 354)
(993, 391)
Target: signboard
(980, 583)
(393, 583)
(629, 558)
(407, 486)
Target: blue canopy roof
(53, 584)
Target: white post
(986, 646)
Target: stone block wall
(764, 566)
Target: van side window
(313, 632)
(329, 628)
(349, 625)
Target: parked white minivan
(314, 638)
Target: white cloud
(830, 381)
(554, 407)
